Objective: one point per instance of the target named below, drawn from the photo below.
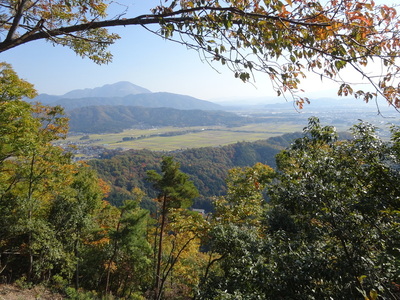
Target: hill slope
(147, 100)
(109, 119)
(207, 167)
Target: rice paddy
(183, 137)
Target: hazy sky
(143, 59)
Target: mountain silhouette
(126, 94)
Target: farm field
(176, 138)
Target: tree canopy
(329, 230)
(175, 191)
(285, 39)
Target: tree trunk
(114, 254)
(76, 252)
(157, 294)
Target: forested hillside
(146, 100)
(322, 224)
(105, 119)
(304, 217)
(207, 167)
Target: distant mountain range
(119, 89)
(123, 105)
(126, 94)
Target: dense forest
(207, 167)
(307, 216)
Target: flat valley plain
(155, 139)
(179, 138)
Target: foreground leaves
(283, 39)
(331, 228)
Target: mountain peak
(118, 89)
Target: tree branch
(17, 19)
(169, 17)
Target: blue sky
(143, 59)
(139, 57)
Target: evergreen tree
(175, 190)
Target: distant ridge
(109, 119)
(146, 100)
(126, 94)
(119, 89)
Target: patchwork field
(174, 138)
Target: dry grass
(13, 292)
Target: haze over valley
(127, 116)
